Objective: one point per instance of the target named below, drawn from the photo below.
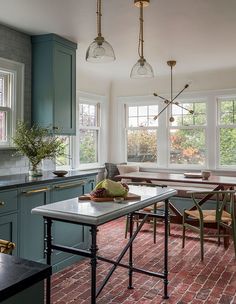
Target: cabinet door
(89, 186)
(8, 229)
(66, 190)
(32, 230)
(64, 233)
(53, 83)
(64, 90)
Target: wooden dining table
(221, 182)
(214, 183)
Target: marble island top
(97, 213)
(21, 180)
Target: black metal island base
(94, 214)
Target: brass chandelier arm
(171, 102)
(155, 117)
(175, 103)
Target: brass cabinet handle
(70, 185)
(2, 204)
(35, 191)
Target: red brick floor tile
(190, 280)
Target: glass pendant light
(100, 50)
(142, 68)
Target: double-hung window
(89, 132)
(187, 134)
(227, 131)
(11, 99)
(6, 83)
(84, 149)
(141, 133)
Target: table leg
(130, 286)
(166, 249)
(93, 263)
(48, 223)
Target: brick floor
(190, 280)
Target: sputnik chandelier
(100, 50)
(142, 68)
(172, 101)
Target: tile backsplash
(10, 163)
(16, 46)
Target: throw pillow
(111, 170)
(127, 169)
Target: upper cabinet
(54, 83)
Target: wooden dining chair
(150, 209)
(6, 246)
(222, 215)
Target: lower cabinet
(8, 217)
(69, 234)
(27, 231)
(33, 294)
(32, 230)
(8, 229)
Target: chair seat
(151, 208)
(209, 216)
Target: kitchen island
(94, 214)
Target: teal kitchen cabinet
(31, 227)
(8, 217)
(54, 83)
(73, 188)
(66, 234)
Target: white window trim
(17, 104)
(89, 98)
(212, 134)
(218, 127)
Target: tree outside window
(187, 134)
(227, 131)
(142, 134)
(88, 133)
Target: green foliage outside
(187, 138)
(88, 147)
(142, 146)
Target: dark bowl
(60, 173)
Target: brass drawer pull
(35, 191)
(70, 185)
(2, 204)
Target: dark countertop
(16, 274)
(22, 180)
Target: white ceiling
(199, 34)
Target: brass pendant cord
(171, 90)
(141, 41)
(99, 15)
